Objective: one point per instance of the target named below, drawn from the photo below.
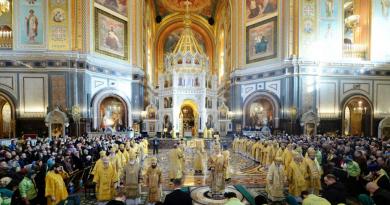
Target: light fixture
(4, 6)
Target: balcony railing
(355, 51)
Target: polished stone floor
(244, 172)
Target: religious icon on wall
(56, 129)
(118, 6)
(31, 22)
(111, 114)
(110, 35)
(58, 15)
(261, 41)
(32, 26)
(260, 9)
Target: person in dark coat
(119, 199)
(379, 195)
(334, 192)
(178, 197)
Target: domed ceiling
(205, 8)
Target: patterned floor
(244, 171)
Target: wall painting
(118, 6)
(58, 32)
(261, 41)
(260, 9)
(110, 35)
(30, 19)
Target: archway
(119, 96)
(113, 114)
(189, 116)
(7, 117)
(357, 116)
(259, 110)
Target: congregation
(321, 169)
(300, 169)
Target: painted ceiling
(204, 8)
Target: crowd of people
(320, 169)
(40, 171)
(309, 170)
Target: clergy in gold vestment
(131, 180)
(175, 157)
(226, 155)
(275, 180)
(217, 166)
(55, 189)
(295, 177)
(153, 182)
(313, 172)
(200, 155)
(105, 179)
(287, 156)
(99, 162)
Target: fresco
(260, 9)
(110, 35)
(261, 40)
(31, 19)
(118, 6)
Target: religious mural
(174, 37)
(203, 7)
(260, 9)
(258, 113)
(110, 35)
(261, 41)
(112, 114)
(31, 19)
(118, 6)
(58, 35)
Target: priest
(153, 180)
(105, 178)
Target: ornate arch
(8, 97)
(175, 21)
(274, 101)
(348, 99)
(103, 94)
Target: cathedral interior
(195, 69)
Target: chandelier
(4, 6)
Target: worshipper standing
(27, 190)
(156, 144)
(295, 177)
(275, 181)
(55, 189)
(379, 195)
(334, 191)
(379, 176)
(177, 196)
(232, 199)
(153, 180)
(105, 178)
(353, 171)
(39, 181)
(131, 180)
(313, 172)
(175, 157)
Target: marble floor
(244, 171)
